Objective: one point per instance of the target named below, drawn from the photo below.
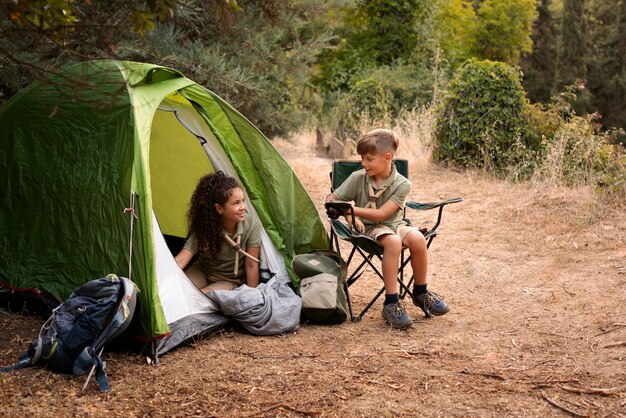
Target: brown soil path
(537, 283)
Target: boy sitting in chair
(379, 194)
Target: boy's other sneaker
(396, 316)
(431, 303)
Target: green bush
(545, 120)
(482, 121)
(406, 86)
(578, 155)
(366, 102)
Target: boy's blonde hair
(378, 141)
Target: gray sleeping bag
(269, 309)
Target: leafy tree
(386, 41)
(573, 52)
(504, 30)
(39, 35)
(540, 65)
(606, 70)
(390, 31)
(257, 55)
(455, 22)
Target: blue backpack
(72, 339)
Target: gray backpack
(322, 278)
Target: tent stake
(93, 368)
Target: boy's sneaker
(396, 316)
(431, 303)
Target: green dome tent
(97, 166)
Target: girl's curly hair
(203, 220)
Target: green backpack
(322, 278)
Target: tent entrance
(177, 162)
(182, 150)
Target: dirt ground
(536, 278)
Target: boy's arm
(376, 215)
(379, 214)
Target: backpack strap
(23, 362)
(25, 359)
(39, 348)
(88, 360)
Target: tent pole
(133, 215)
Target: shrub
(577, 155)
(406, 86)
(366, 100)
(482, 121)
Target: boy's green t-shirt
(224, 266)
(398, 188)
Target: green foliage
(373, 34)
(405, 85)
(573, 52)
(42, 35)
(258, 59)
(455, 22)
(482, 120)
(540, 65)
(486, 122)
(607, 66)
(257, 55)
(504, 29)
(388, 29)
(42, 14)
(366, 102)
(383, 43)
(546, 120)
(58, 16)
(579, 155)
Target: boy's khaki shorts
(379, 230)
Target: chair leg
(369, 305)
(367, 260)
(403, 263)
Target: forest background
(527, 90)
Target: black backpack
(72, 339)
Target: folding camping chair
(366, 247)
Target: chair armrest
(432, 205)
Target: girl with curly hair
(225, 239)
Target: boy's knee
(391, 242)
(415, 241)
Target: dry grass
(535, 277)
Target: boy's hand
(358, 224)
